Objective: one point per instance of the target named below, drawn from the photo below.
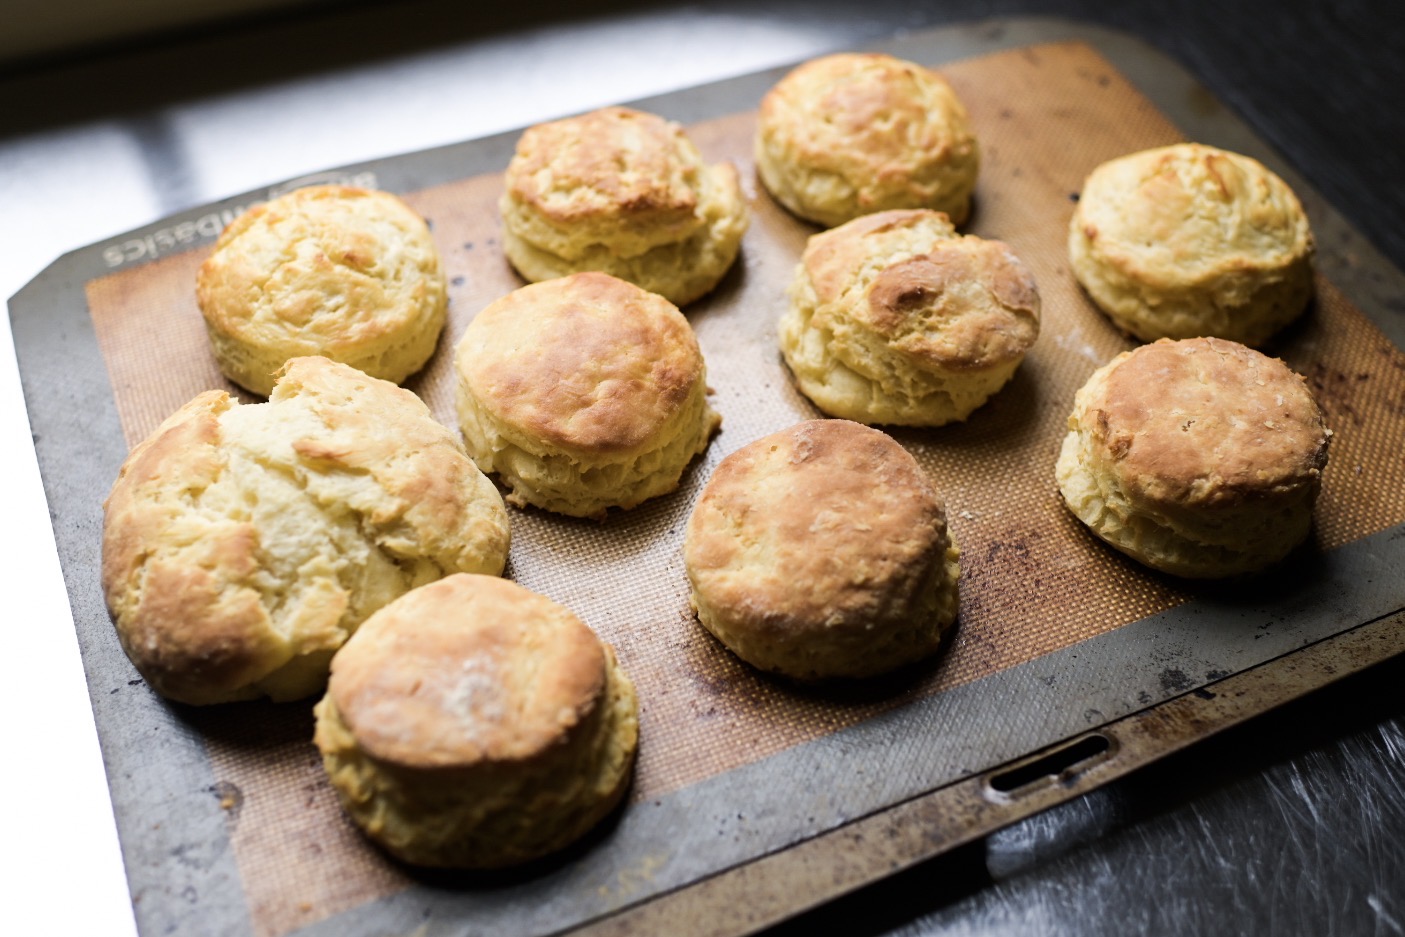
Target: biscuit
(582, 394)
(895, 318)
(474, 724)
(1199, 457)
(346, 273)
(1187, 240)
(242, 544)
(622, 192)
(849, 134)
(822, 551)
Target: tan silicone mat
(1032, 580)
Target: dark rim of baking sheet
(180, 865)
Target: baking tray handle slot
(1060, 765)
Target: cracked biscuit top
(348, 273)
(845, 135)
(242, 544)
(940, 299)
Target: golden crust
(350, 274)
(1201, 457)
(472, 723)
(583, 393)
(618, 174)
(243, 544)
(623, 192)
(822, 551)
(1189, 240)
(895, 318)
(849, 134)
(1206, 422)
(467, 671)
(587, 363)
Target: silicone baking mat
(733, 764)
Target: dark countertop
(1292, 824)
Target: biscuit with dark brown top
(1199, 457)
(582, 394)
(822, 551)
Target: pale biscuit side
(681, 271)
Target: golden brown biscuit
(623, 192)
(1189, 240)
(243, 544)
(1198, 457)
(583, 393)
(346, 273)
(822, 551)
(895, 318)
(474, 724)
(849, 134)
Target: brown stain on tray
(1032, 580)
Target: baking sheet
(224, 813)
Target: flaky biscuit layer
(895, 318)
(622, 192)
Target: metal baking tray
(755, 800)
